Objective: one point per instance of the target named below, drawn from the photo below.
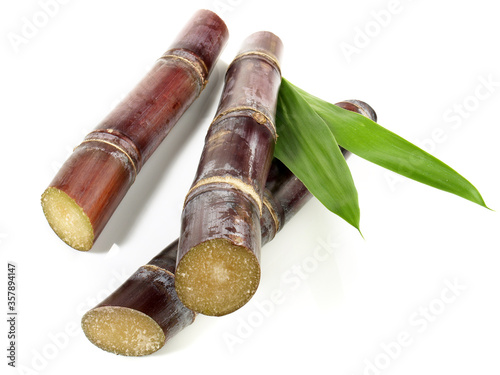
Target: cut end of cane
(217, 277)
(67, 219)
(123, 331)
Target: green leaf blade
(309, 149)
(369, 140)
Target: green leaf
(367, 139)
(309, 149)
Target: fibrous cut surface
(217, 277)
(67, 219)
(124, 331)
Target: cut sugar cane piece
(218, 267)
(123, 331)
(67, 219)
(213, 267)
(140, 316)
(92, 182)
(120, 325)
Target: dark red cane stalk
(219, 247)
(92, 182)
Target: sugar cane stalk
(219, 248)
(87, 189)
(145, 312)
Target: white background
(418, 63)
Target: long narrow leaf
(378, 145)
(309, 149)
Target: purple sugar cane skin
(218, 267)
(144, 312)
(87, 189)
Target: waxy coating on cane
(87, 189)
(145, 312)
(218, 267)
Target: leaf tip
(478, 199)
(488, 208)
